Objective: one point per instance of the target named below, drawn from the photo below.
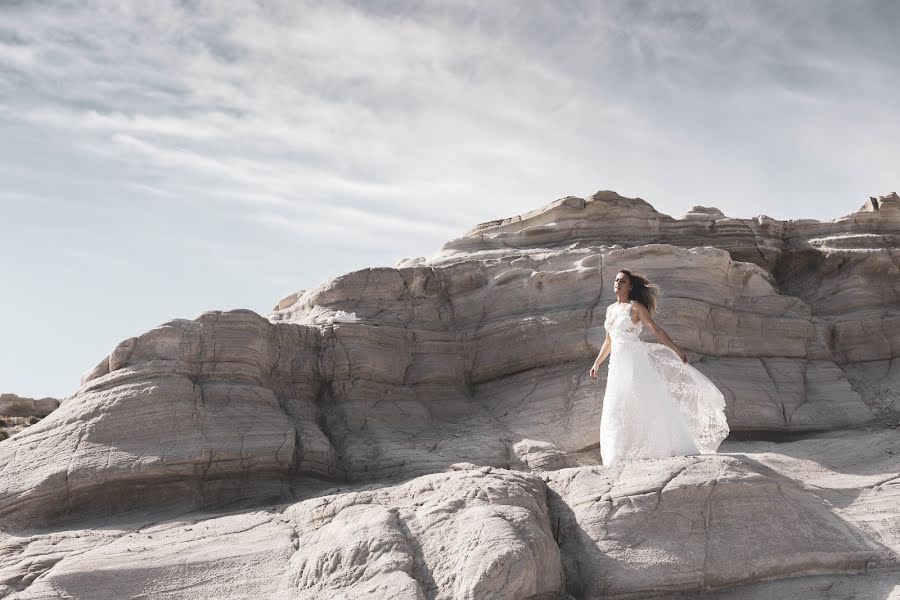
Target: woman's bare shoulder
(640, 309)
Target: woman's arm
(604, 352)
(661, 335)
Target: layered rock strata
(479, 354)
(726, 526)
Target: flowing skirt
(657, 406)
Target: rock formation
(18, 412)
(444, 443)
(13, 405)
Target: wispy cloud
(309, 103)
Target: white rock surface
(755, 520)
(456, 414)
(471, 533)
(692, 524)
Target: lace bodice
(618, 323)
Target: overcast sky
(162, 158)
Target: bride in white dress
(655, 404)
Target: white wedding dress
(654, 405)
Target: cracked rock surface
(444, 445)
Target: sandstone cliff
(444, 444)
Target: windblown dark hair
(642, 290)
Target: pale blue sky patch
(162, 158)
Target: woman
(655, 404)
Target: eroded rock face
(479, 356)
(674, 525)
(190, 410)
(469, 533)
(754, 521)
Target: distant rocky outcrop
(444, 443)
(13, 405)
(18, 412)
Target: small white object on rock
(343, 317)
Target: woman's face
(622, 283)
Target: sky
(163, 158)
